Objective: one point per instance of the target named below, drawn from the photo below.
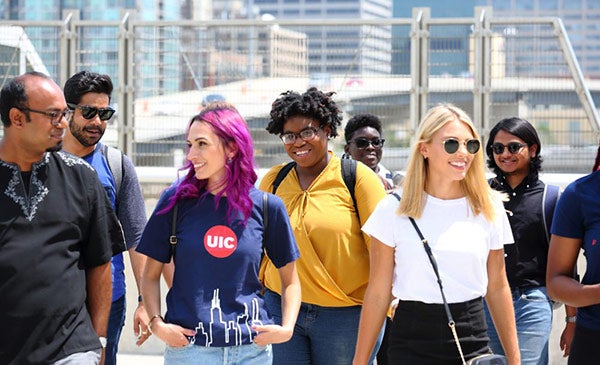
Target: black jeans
(420, 333)
(584, 348)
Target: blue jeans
(322, 335)
(533, 315)
(251, 354)
(116, 321)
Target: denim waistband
(310, 307)
(518, 291)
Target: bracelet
(139, 298)
(152, 320)
(570, 319)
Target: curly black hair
(313, 104)
(524, 130)
(361, 121)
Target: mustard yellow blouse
(334, 253)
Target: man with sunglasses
(88, 95)
(364, 143)
(58, 233)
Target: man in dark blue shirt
(88, 96)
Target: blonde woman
(446, 192)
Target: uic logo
(220, 241)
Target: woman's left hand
(271, 333)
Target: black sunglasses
(513, 147)
(362, 143)
(451, 145)
(89, 112)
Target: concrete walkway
(124, 359)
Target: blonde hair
(478, 192)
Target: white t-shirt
(460, 243)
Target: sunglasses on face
(89, 112)
(306, 134)
(362, 143)
(451, 145)
(513, 147)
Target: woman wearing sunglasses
(446, 193)
(513, 151)
(364, 143)
(334, 254)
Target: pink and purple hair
(231, 128)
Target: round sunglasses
(362, 143)
(513, 147)
(451, 145)
(89, 112)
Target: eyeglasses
(306, 134)
(362, 143)
(89, 112)
(513, 147)
(451, 145)
(55, 117)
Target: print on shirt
(234, 329)
(29, 200)
(220, 241)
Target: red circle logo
(220, 241)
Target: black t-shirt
(49, 235)
(527, 258)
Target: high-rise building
(328, 46)
(581, 19)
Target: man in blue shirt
(88, 96)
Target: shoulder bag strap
(173, 236)
(265, 218)
(451, 322)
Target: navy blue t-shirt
(216, 290)
(577, 215)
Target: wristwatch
(102, 341)
(570, 319)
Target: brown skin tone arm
(562, 258)
(99, 297)
(377, 300)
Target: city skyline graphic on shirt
(235, 330)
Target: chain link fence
(393, 68)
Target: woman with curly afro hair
(334, 254)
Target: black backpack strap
(349, 176)
(282, 174)
(265, 217)
(173, 236)
(549, 199)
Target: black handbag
(485, 359)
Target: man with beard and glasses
(88, 96)
(57, 234)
